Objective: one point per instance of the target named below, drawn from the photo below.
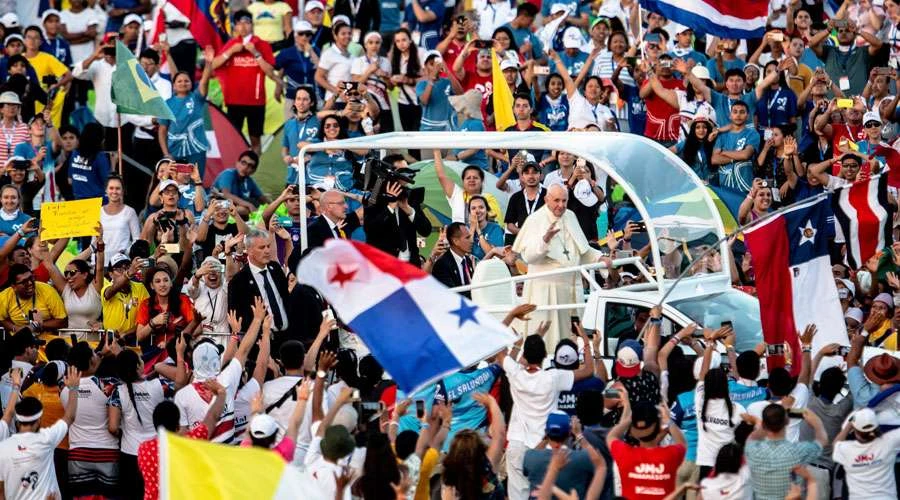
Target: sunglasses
(70, 273)
(873, 125)
(306, 34)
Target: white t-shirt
(78, 23)
(91, 426)
(554, 177)
(582, 113)
(320, 473)
(119, 231)
(242, 407)
(82, 309)
(801, 399)
(375, 84)
(869, 466)
(147, 394)
(534, 397)
(273, 390)
(728, 486)
(689, 109)
(718, 429)
(193, 408)
(6, 382)
(26, 463)
(337, 65)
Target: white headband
(29, 419)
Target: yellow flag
(503, 98)
(193, 468)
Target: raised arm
(651, 341)
(446, 184)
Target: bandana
(207, 363)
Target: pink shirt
(285, 447)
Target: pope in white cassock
(551, 239)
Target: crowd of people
(184, 312)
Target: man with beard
(846, 64)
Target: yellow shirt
(429, 462)
(268, 21)
(120, 311)
(45, 64)
(46, 300)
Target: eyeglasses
(25, 281)
(248, 164)
(873, 125)
(69, 273)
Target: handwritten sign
(69, 219)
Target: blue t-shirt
(746, 395)
(189, 192)
(322, 165)
(458, 389)
(714, 69)
(574, 63)
(522, 34)
(114, 24)
(245, 188)
(569, 399)
(295, 131)
(776, 107)
(737, 175)
(8, 227)
(298, 70)
(28, 151)
(88, 175)
(698, 57)
(637, 110)
(494, 234)
(431, 31)
(391, 15)
(58, 48)
(409, 422)
(435, 114)
(722, 104)
(684, 415)
(479, 159)
(187, 134)
(554, 116)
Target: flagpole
(119, 145)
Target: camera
(378, 174)
(165, 221)
(665, 63)
(348, 86)
(843, 350)
(21, 164)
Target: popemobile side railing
(586, 271)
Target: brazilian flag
(132, 90)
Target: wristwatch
(321, 374)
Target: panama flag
(722, 18)
(860, 209)
(794, 281)
(414, 326)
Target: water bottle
(602, 222)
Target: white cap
(10, 97)
(166, 183)
(848, 285)
(572, 38)
(701, 72)
(263, 426)
(872, 116)
(133, 18)
(557, 8)
(118, 258)
(584, 193)
(433, 53)
(301, 26)
(10, 20)
(339, 20)
(507, 63)
(864, 420)
(854, 313)
(314, 4)
(14, 36)
(49, 12)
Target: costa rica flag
(722, 18)
(862, 211)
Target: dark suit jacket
(446, 271)
(383, 232)
(243, 290)
(318, 232)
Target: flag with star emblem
(132, 90)
(861, 209)
(415, 327)
(794, 283)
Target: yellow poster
(69, 219)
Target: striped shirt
(605, 66)
(12, 136)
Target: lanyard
(769, 105)
(33, 305)
(354, 6)
(213, 302)
(530, 208)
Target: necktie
(341, 234)
(466, 277)
(273, 301)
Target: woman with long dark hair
(406, 69)
(165, 312)
(717, 415)
(730, 474)
(553, 105)
(80, 288)
(88, 165)
(130, 413)
(332, 168)
(380, 469)
(777, 103)
(697, 147)
(467, 470)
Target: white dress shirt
(100, 74)
(144, 122)
(258, 277)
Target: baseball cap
(47, 13)
(508, 64)
(557, 8)
(314, 4)
(118, 259)
(601, 19)
(854, 313)
(566, 356)
(572, 38)
(701, 72)
(133, 18)
(10, 97)
(263, 426)
(644, 415)
(872, 116)
(12, 38)
(432, 53)
(558, 425)
(301, 26)
(166, 183)
(10, 20)
(584, 193)
(628, 359)
(864, 420)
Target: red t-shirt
(454, 49)
(243, 81)
(177, 320)
(647, 473)
(839, 131)
(148, 461)
(662, 119)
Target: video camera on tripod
(378, 174)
